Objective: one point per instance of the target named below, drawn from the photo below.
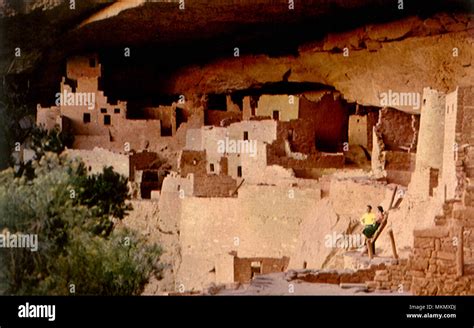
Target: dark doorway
(276, 115)
(180, 117)
(256, 268)
(150, 181)
(106, 119)
(217, 102)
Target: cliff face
(191, 50)
(403, 56)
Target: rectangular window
(86, 118)
(211, 167)
(103, 110)
(246, 135)
(255, 268)
(106, 119)
(117, 110)
(290, 135)
(239, 171)
(276, 115)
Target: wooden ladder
(371, 241)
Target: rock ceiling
(192, 51)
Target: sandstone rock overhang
(164, 38)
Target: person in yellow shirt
(368, 218)
(370, 223)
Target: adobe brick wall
(206, 185)
(302, 141)
(142, 161)
(399, 167)
(400, 161)
(79, 67)
(431, 268)
(441, 261)
(358, 131)
(193, 162)
(261, 222)
(96, 159)
(243, 269)
(318, 160)
(214, 186)
(281, 103)
(329, 119)
(336, 276)
(397, 130)
(393, 278)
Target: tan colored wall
(263, 218)
(97, 158)
(431, 135)
(350, 196)
(430, 142)
(247, 108)
(378, 154)
(78, 67)
(358, 134)
(230, 105)
(173, 183)
(399, 166)
(448, 175)
(214, 186)
(194, 140)
(268, 103)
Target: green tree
(69, 252)
(53, 140)
(105, 194)
(41, 141)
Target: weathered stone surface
(431, 233)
